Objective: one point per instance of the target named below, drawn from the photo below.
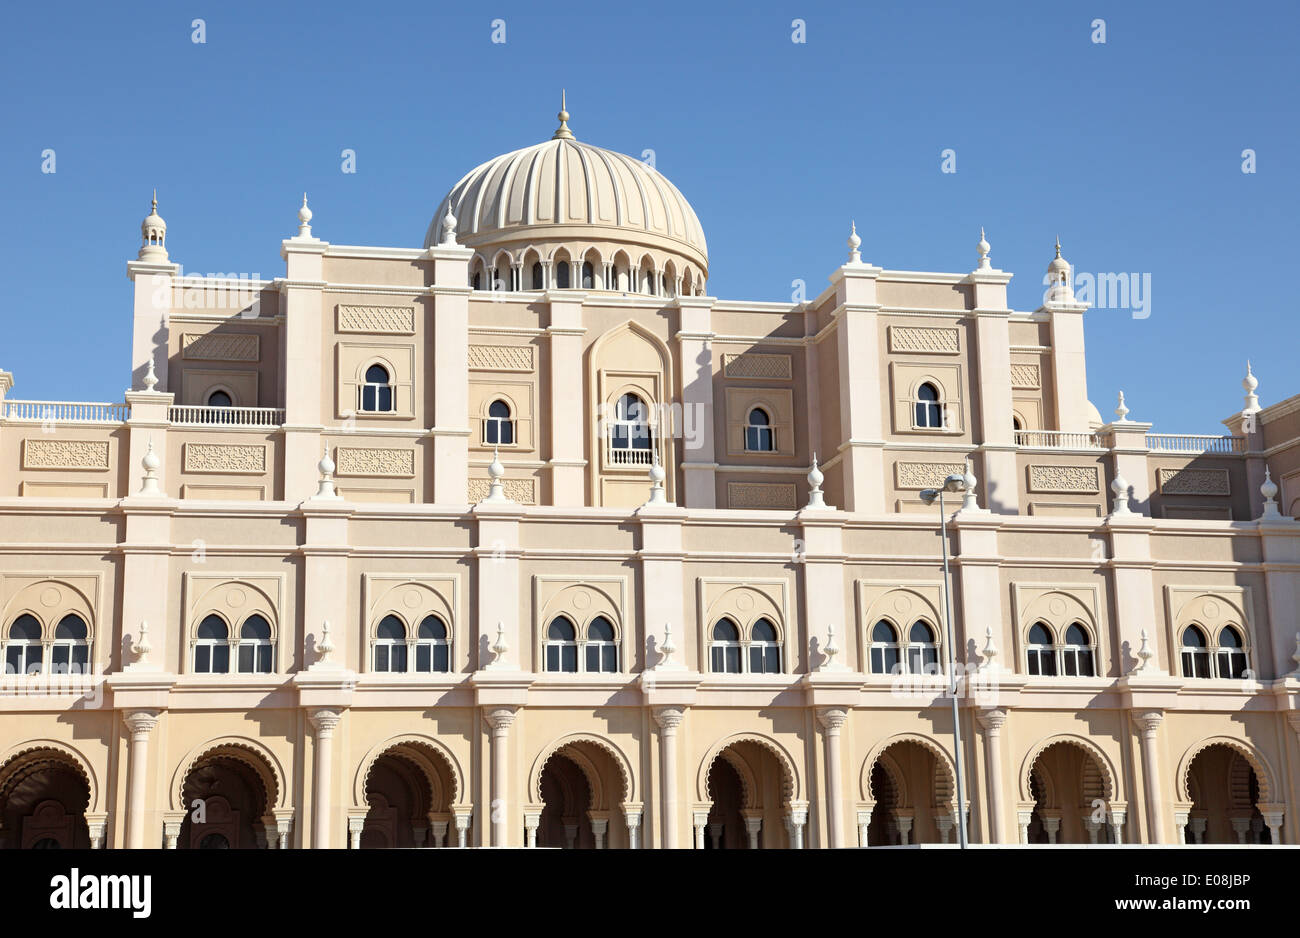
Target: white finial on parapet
(141, 647)
(1121, 410)
(150, 377)
(325, 647)
(990, 650)
(657, 476)
(496, 473)
(500, 647)
(1120, 486)
(831, 650)
(150, 462)
(304, 219)
(449, 228)
(983, 248)
(855, 256)
(815, 480)
(1144, 655)
(667, 649)
(1249, 384)
(325, 488)
(968, 500)
(1268, 488)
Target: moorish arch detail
(790, 781)
(417, 749)
(33, 750)
(570, 747)
(1263, 771)
(1109, 785)
(945, 774)
(250, 752)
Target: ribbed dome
(564, 190)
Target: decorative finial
(1268, 488)
(983, 248)
(304, 219)
(155, 200)
(1250, 383)
(150, 462)
(968, 500)
(150, 376)
(325, 646)
(496, 472)
(325, 488)
(855, 256)
(1144, 653)
(657, 476)
(1058, 245)
(1119, 486)
(815, 479)
(141, 647)
(563, 132)
(153, 234)
(831, 650)
(990, 649)
(499, 647)
(449, 227)
(1121, 409)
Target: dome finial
(983, 247)
(563, 132)
(304, 219)
(1249, 384)
(855, 242)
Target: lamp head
(929, 495)
(955, 483)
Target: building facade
(522, 538)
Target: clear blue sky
(1130, 151)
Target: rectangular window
(441, 658)
(247, 656)
(381, 657)
(1196, 664)
(203, 659)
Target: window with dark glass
(631, 427)
(922, 652)
(537, 277)
(884, 648)
(432, 650)
(498, 428)
(764, 652)
(562, 646)
(1040, 652)
(212, 646)
(562, 275)
(758, 432)
(1195, 653)
(1076, 655)
(377, 391)
(390, 645)
(588, 276)
(23, 652)
(602, 653)
(1231, 657)
(929, 412)
(724, 652)
(71, 651)
(254, 650)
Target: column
(632, 814)
(532, 819)
(1149, 722)
(832, 720)
(1117, 816)
(798, 821)
(324, 720)
(599, 825)
(302, 357)
(992, 721)
(462, 829)
(500, 719)
(753, 825)
(448, 353)
(699, 820)
(862, 384)
(993, 372)
(864, 825)
(669, 718)
(565, 376)
(699, 458)
(141, 724)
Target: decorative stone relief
(222, 347)
(374, 461)
(225, 457)
(1193, 481)
(394, 320)
(65, 454)
(757, 365)
(1083, 479)
(1025, 376)
(776, 495)
(935, 340)
(925, 475)
(501, 358)
(523, 491)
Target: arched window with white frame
(1195, 652)
(212, 646)
(601, 651)
(70, 651)
(630, 432)
(927, 408)
(1230, 655)
(499, 425)
(561, 647)
(562, 275)
(1040, 651)
(760, 437)
(390, 645)
(432, 647)
(724, 649)
(254, 653)
(764, 650)
(377, 391)
(884, 648)
(1077, 652)
(24, 653)
(922, 649)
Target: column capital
(992, 720)
(832, 718)
(1149, 721)
(325, 719)
(141, 722)
(500, 718)
(669, 718)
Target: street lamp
(954, 483)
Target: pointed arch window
(499, 427)
(1230, 657)
(884, 648)
(562, 275)
(928, 408)
(390, 645)
(601, 652)
(759, 435)
(377, 391)
(538, 282)
(212, 646)
(764, 650)
(70, 652)
(254, 654)
(561, 646)
(1195, 653)
(432, 648)
(24, 653)
(724, 650)
(1040, 651)
(922, 649)
(1077, 652)
(588, 276)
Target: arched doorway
(43, 801)
(409, 791)
(750, 800)
(565, 796)
(1070, 792)
(910, 796)
(580, 789)
(227, 806)
(1225, 794)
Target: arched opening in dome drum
(588, 276)
(537, 277)
(562, 275)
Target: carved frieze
(771, 495)
(65, 454)
(1025, 376)
(523, 491)
(926, 339)
(225, 457)
(757, 365)
(1194, 481)
(374, 461)
(925, 475)
(222, 347)
(390, 320)
(1078, 479)
(501, 358)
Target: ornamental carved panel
(225, 457)
(1194, 481)
(757, 365)
(929, 339)
(1079, 479)
(374, 461)
(65, 454)
(1025, 376)
(523, 491)
(391, 320)
(501, 358)
(771, 495)
(221, 347)
(925, 475)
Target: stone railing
(1056, 439)
(1194, 444)
(191, 415)
(64, 411)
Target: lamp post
(954, 483)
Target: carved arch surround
(599, 789)
(74, 756)
(1263, 771)
(945, 778)
(420, 740)
(790, 782)
(249, 751)
(1090, 749)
